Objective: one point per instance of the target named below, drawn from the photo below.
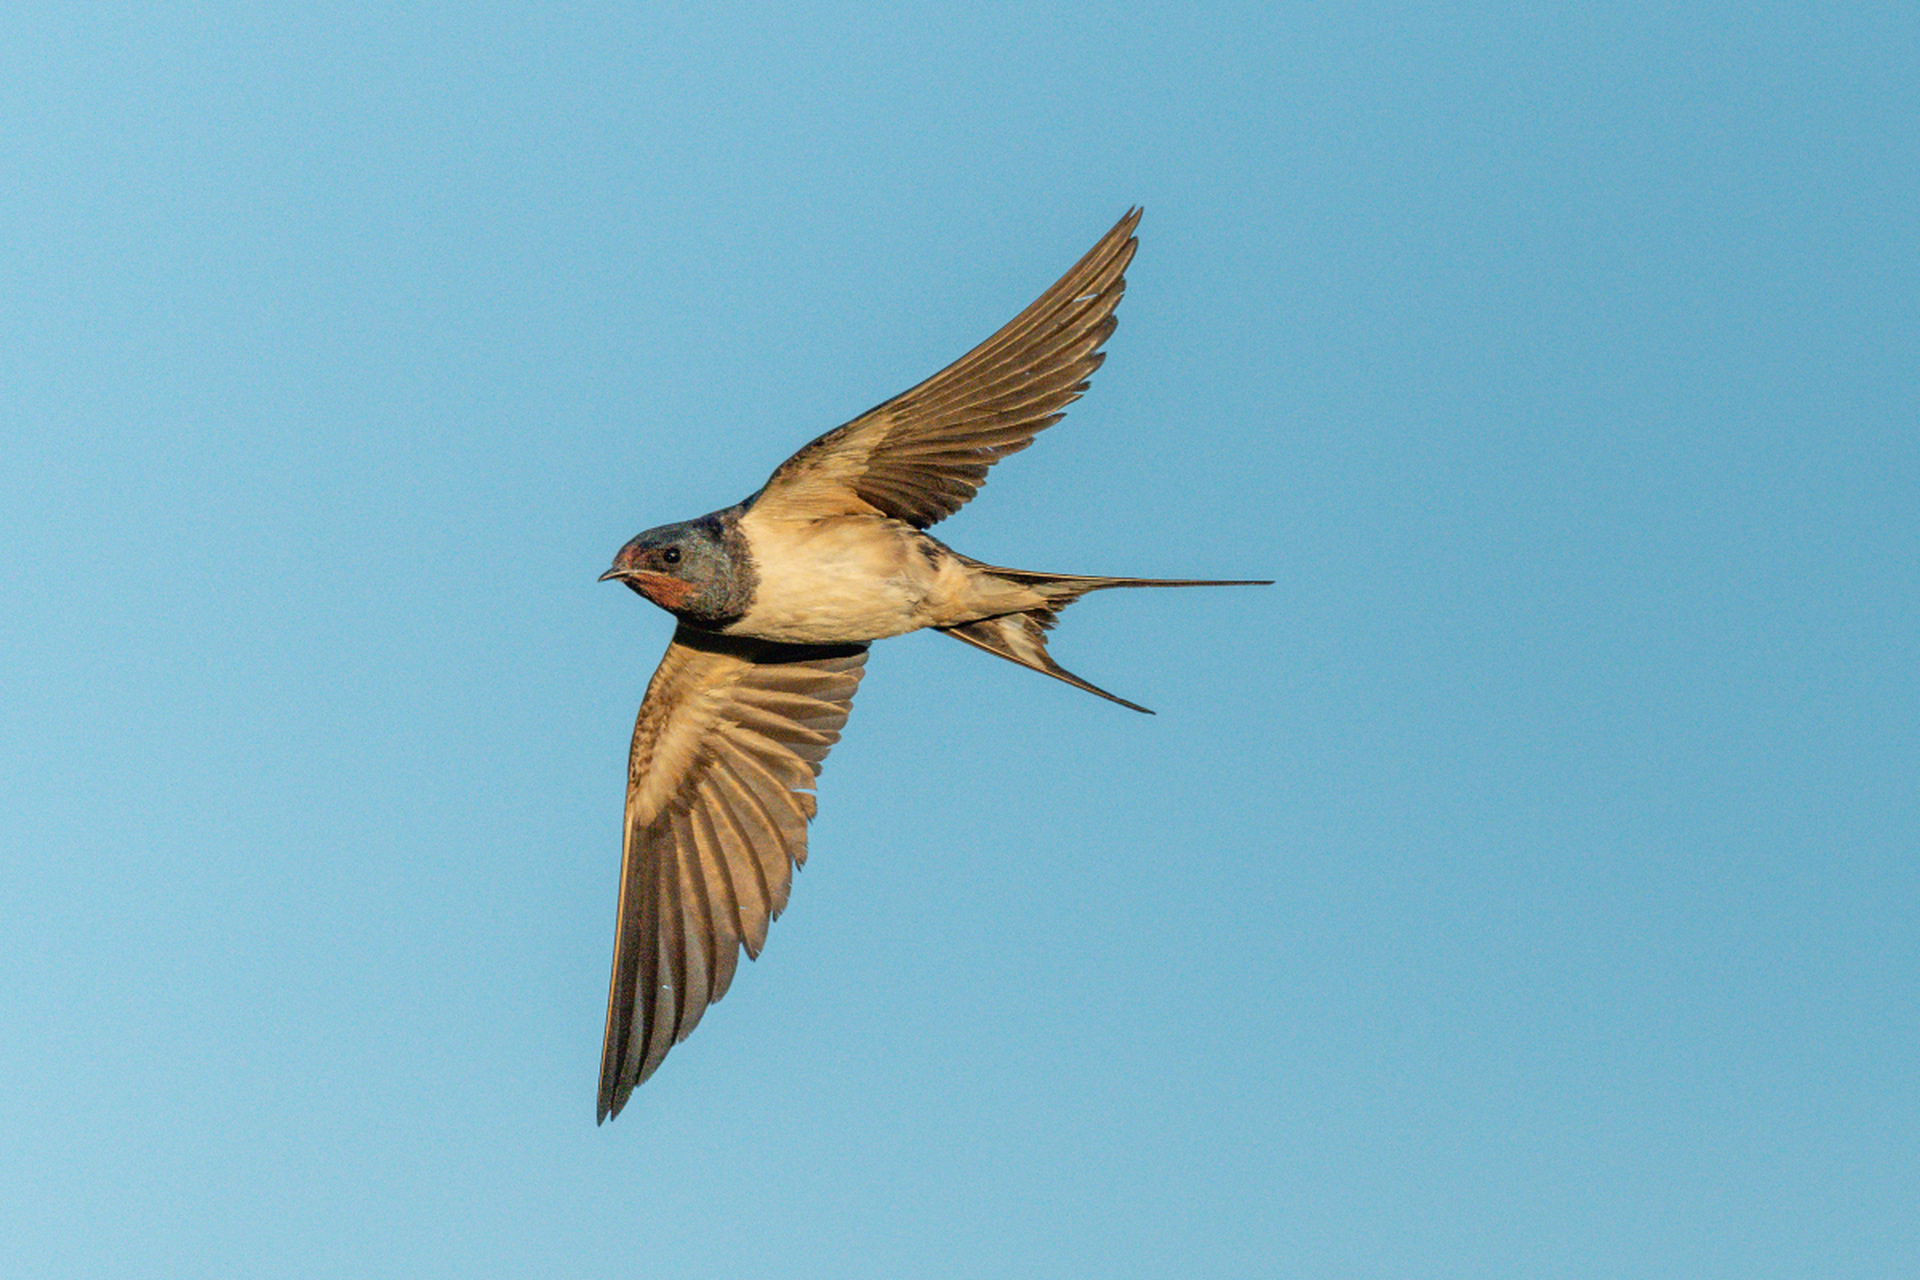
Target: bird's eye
(670, 555)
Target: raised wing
(920, 456)
(729, 740)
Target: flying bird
(777, 599)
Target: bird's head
(688, 569)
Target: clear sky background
(1525, 885)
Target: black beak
(612, 573)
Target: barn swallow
(777, 599)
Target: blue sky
(1524, 885)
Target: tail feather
(1022, 637)
(1068, 587)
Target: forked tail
(1022, 637)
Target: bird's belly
(829, 608)
(834, 581)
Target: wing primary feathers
(666, 987)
